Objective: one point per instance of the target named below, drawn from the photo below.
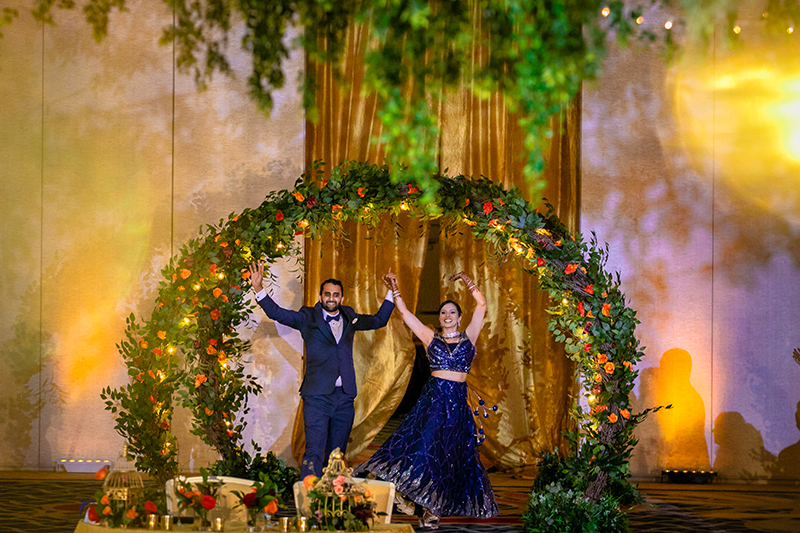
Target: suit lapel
(322, 325)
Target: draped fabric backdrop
(519, 367)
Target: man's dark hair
(333, 282)
(458, 307)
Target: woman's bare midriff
(450, 375)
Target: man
(329, 384)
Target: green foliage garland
(202, 300)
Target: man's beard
(331, 307)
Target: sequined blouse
(456, 358)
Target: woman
(432, 457)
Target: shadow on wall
(672, 438)
(788, 465)
(740, 450)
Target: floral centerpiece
(111, 512)
(336, 501)
(199, 497)
(263, 498)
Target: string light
(668, 25)
(171, 349)
(565, 301)
(789, 30)
(197, 287)
(606, 12)
(403, 206)
(737, 30)
(221, 275)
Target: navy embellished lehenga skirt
(432, 457)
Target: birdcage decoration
(336, 499)
(124, 483)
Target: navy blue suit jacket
(326, 359)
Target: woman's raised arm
(423, 332)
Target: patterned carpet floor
(49, 502)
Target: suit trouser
(328, 419)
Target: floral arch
(188, 351)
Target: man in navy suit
(329, 384)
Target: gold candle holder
(218, 524)
(283, 523)
(166, 522)
(302, 524)
(151, 521)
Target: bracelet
(472, 288)
(396, 294)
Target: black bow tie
(333, 317)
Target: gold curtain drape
(519, 366)
(357, 255)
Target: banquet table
(84, 527)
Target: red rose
(589, 289)
(488, 207)
(250, 500)
(215, 314)
(581, 310)
(208, 502)
(92, 514)
(412, 189)
(150, 507)
(279, 216)
(541, 262)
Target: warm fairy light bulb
(565, 301)
(668, 25)
(606, 12)
(403, 206)
(186, 320)
(171, 349)
(197, 287)
(639, 20)
(737, 30)
(303, 223)
(221, 276)
(790, 30)
(280, 246)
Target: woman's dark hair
(332, 282)
(458, 307)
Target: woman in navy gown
(432, 458)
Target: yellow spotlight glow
(668, 25)
(606, 12)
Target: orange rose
(216, 292)
(174, 277)
(612, 418)
(299, 197)
(572, 267)
(212, 342)
(609, 367)
(209, 412)
(360, 192)
(598, 378)
(628, 365)
(335, 208)
(309, 481)
(589, 314)
(589, 289)
(143, 344)
(367, 494)
(272, 507)
(162, 335)
(131, 513)
(105, 500)
(215, 314)
(150, 373)
(607, 310)
(199, 380)
(158, 351)
(246, 274)
(602, 358)
(185, 273)
(107, 511)
(237, 242)
(216, 238)
(222, 358)
(210, 350)
(625, 413)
